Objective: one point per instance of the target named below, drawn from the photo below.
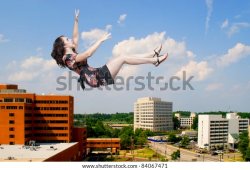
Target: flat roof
(21, 153)
(102, 139)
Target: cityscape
(41, 128)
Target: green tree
(243, 143)
(176, 155)
(184, 142)
(125, 141)
(176, 123)
(195, 123)
(141, 139)
(247, 156)
(172, 138)
(99, 129)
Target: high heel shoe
(158, 62)
(157, 53)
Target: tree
(176, 155)
(184, 142)
(125, 141)
(176, 123)
(195, 123)
(125, 135)
(172, 138)
(247, 156)
(142, 139)
(99, 129)
(243, 143)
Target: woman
(65, 53)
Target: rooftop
(21, 153)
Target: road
(186, 155)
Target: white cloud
(214, 86)
(200, 70)
(93, 35)
(224, 24)
(3, 39)
(122, 18)
(236, 27)
(234, 54)
(209, 4)
(30, 69)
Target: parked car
(214, 153)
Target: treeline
(223, 113)
(128, 137)
(98, 127)
(123, 118)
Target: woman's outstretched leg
(114, 65)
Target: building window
(8, 100)
(11, 107)
(11, 122)
(11, 129)
(28, 100)
(11, 114)
(19, 100)
(12, 136)
(12, 143)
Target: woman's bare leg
(114, 65)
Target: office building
(214, 131)
(153, 114)
(26, 117)
(185, 122)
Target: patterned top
(90, 74)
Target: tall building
(153, 114)
(215, 131)
(185, 122)
(26, 117)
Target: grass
(142, 153)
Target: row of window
(40, 121)
(51, 121)
(165, 125)
(99, 143)
(46, 115)
(49, 134)
(27, 100)
(11, 100)
(50, 128)
(40, 115)
(51, 101)
(51, 108)
(36, 108)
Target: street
(186, 155)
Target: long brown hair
(58, 51)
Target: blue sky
(209, 39)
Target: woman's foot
(160, 59)
(157, 51)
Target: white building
(214, 131)
(186, 122)
(153, 114)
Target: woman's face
(68, 43)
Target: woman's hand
(77, 12)
(105, 37)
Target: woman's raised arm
(83, 56)
(75, 30)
